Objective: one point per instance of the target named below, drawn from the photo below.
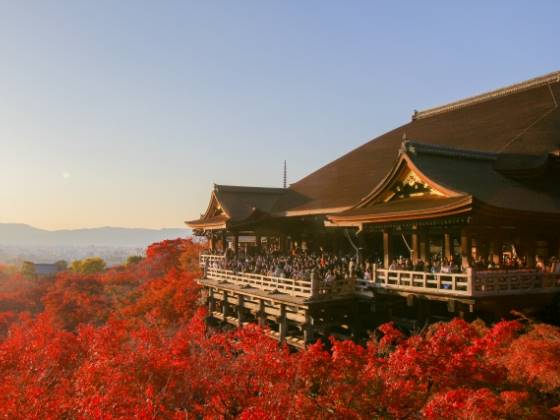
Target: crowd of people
(330, 266)
(298, 265)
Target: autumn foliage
(132, 342)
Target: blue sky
(124, 113)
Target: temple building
(477, 180)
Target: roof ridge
(549, 78)
(440, 150)
(218, 187)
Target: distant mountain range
(16, 234)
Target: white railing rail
(423, 282)
(292, 287)
(511, 282)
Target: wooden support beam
(423, 237)
(410, 300)
(447, 246)
(282, 324)
(236, 243)
(529, 245)
(415, 248)
(224, 240)
(225, 304)
(308, 329)
(465, 248)
(315, 283)
(240, 310)
(261, 314)
(451, 306)
(387, 257)
(211, 301)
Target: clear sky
(124, 113)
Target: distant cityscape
(20, 242)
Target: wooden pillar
(225, 305)
(387, 257)
(496, 249)
(282, 323)
(465, 248)
(529, 246)
(240, 310)
(261, 314)
(282, 240)
(415, 248)
(482, 246)
(315, 284)
(308, 329)
(211, 301)
(447, 246)
(423, 236)
(212, 242)
(236, 243)
(258, 239)
(224, 241)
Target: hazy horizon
(96, 227)
(124, 114)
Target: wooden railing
(468, 284)
(423, 282)
(512, 282)
(210, 258)
(292, 287)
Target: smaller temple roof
(231, 204)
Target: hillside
(16, 234)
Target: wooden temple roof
(431, 181)
(495, 147)
(523, 119)
(237, 204)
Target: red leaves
(481, 403)
(76, 299)
(534, 359)
(132, 342)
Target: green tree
(134, 259)
(28, 270)
(62, 265)
(90, 265)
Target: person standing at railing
(330, 278)
(205, 268)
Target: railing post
(374, 274)
(470, 281)
(314, 284)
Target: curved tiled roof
(238, 204)
(523, 119)
(467, 177)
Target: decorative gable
(408, 184)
